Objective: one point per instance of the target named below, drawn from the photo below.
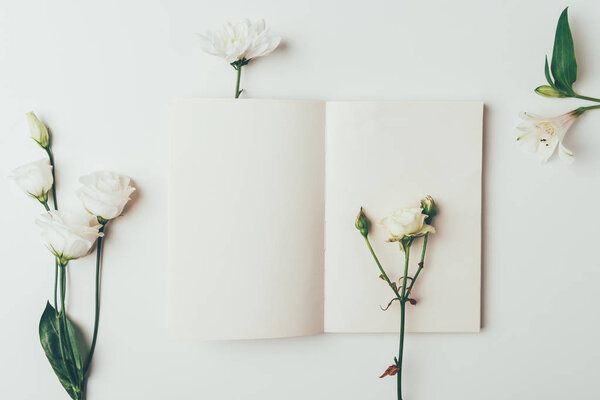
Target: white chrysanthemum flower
(541, 135)
(241, 41)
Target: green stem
(55, 284)
(45, 204)
(54, 201)
(65, 348)
(577, 96)
(237, 83)
(402, 320)
(51, 159)
(381, 269)
(421, 263)
(584, 109)
(97, 310)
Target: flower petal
(565, 154)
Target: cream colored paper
(246, 212)
(386, 155)
(247, 199)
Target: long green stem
(421, 264)
(577, 96)
(583, 109)
(55, 204)
(45, 204)
(51, 159)
(97, 309)
(402, 320)
(237, 83)
(381, 269)
(66, 350)
(55, 284)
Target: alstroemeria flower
(407, 222)
(541, 135)
(241, 41)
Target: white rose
(34, 178)
(242, 41)
(407, 222)
(104, 194)
(68, 236)
(38, 130)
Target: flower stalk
(239, 44)
(97, 302)
(237, 82)
(405, 226)
(542, 135)
(69, 236)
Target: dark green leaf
(547, 72)
(65, 368)
(75, 349)
(564, 65)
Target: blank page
(246, 218)
(387, 155)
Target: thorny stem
(387, 279)
(402, 320)
(421, 263)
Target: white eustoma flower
(38, 130)
(67, 235)
(241, 41)
(541, 135)
(407, 222)
(34, 178)
(104, 194)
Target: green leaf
(66, 366)
(564, 65)
(72, 336)
(547, 72)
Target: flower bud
(362, 223)
(38, 130)
(429, 208)
(548, 91)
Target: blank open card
(263, 195)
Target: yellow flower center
(547, 127)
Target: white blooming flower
(541, 135)
(407, 222)
(242, 41)
(34, 178)
(104, 194)
(68, 236)
(38, 130)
